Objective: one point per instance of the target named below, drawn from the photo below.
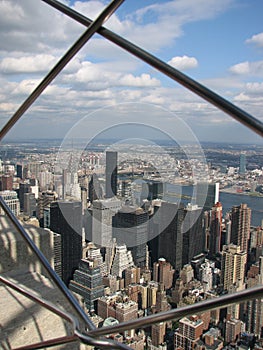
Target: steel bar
(235, 112)
(175, 314)
(49, 343)
(77, 336)
(46, 304)
(92, 28)
(58, 282)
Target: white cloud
(141, 81)
(170, 16)
(240, 68)
(103, 74)
(183, 62)
(7, 107)
(245, 68)
(256, 39)
(255, 88)
(27, 64)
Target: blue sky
(219, 43)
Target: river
(227, 199)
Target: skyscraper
(207, 194)
(103, 211)
(10, 197)
(24, 187)
(111, 174)
(240, 226)
(44, 200)
(215, 229)
(30, 204)
(6, 183)
(233, 265)
(163, 273)
(152, 189)
(95, 190)
(168, 241)
(193, 233)
(190, 331)
(242, 164)
(131, 228)
(87, 282)
(121, 261)
(66, 219)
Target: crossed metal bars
(92, 336)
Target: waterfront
(228, 200)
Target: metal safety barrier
(93, 336)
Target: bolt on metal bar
(92, 28)
(175, 314)
(229, 108)
(77, 336)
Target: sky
(218, 43)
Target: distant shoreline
(233, 191)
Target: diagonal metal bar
(85, 338)
(58, 282)
(49, 343)
(51, 307)
(175, 314)
(77, 336)
(92, 28)
(235, 112)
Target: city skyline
(216, 43)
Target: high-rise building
(111, 174)
(163, 273)
(158, 334)
(30, 205)
(152, 189)
(240, 226)
(103, 211)
(87, 282)
(161, 299)
(193, 233)
(207, 194)
(187, 273)
(43, 203)
(131, 275)
(66, 219)
(167, 232)
(254, 319)
(11, 200)
(242, 164)
(45, 180)
(131, 228)
(19, 171)
(6, 183)
(121, 261)
(118, 307)
(190, 331)
(215, 230)
(94, 188)
(24, 187)
(233, 330)
(233, 265)
(206, 275)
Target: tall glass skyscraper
(66, 219)
(242, 164)
(111, 174)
